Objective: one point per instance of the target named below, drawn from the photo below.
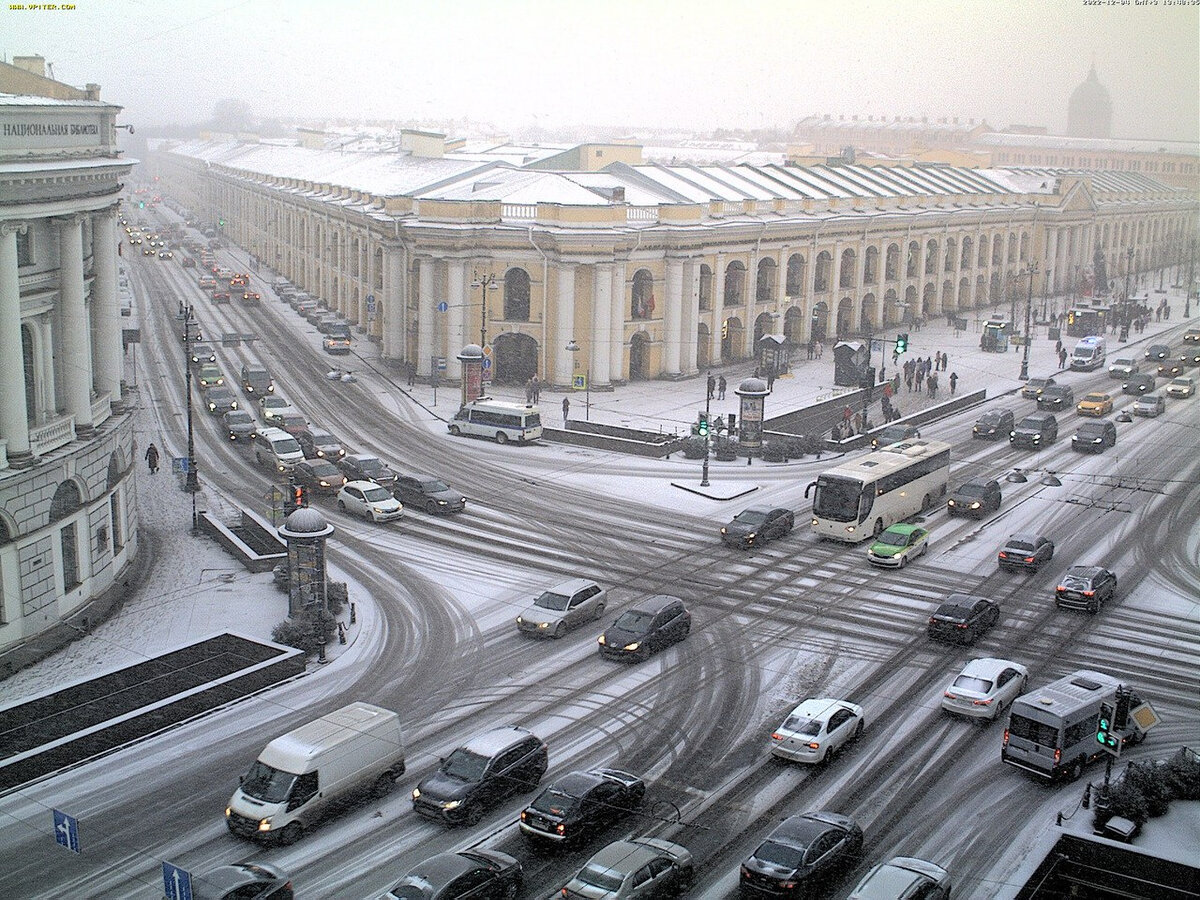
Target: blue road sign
(443, 306)
(370, 303)
(179, 465)
(177, 882)
(487, 365)
(66, 831)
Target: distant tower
(1089, 112)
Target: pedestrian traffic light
(702, 426)
(902, 343)
(1104, 726)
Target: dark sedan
(580, 804)
(647, 627)
(1157, 352)
(994, 424)
(241, 424)
(799, 853)
(1056, 397)
(1169, 368)
(894, 434)
(428, 493)
(962, 619)
(319, 444)
(319, 475)
(1025, 551)
(976, 497)
(1190, 357)
(240, 880)
(1141, 383)
(477, 874)
(361, 467)
(757, 525)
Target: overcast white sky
(697, 64)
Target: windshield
(802, 725)
(991, 418)
(240, 418)
(971, 490)
(837, 498)
(1020, 546)
(634, 620)
(465, 765)
(751, 517)
(371, 466)
(288, 445)
(597, 876)
(971, 683)
(412, 888)
(267, 784)
(434, 487)
(1096, 398)
(894, 537)
(782, 855)
(376, 494)
(324, 470)
(555, 803)
(553, 601)
(1076, 583)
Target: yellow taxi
(1097, 404)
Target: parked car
(238, 881)
(994, 424)
(1086, 587)
(817, 730)
(1025, 551)
(428, 493)
(898, 545)
(985, 688)
(1123, 367)
(1034, 387)
(241, 425)
(366, 498)
(319, 475)
(364, 467)
(1179, 388)
(757, 525)
(319, 444)
(580, 804)
(481, 772)
(560, 608)
(1034, 431)
(210, 375)
(1149, 405)
(1156, 352)
(904, 878)
(801, 851)
(975, 497)
(220, 400)
(1094, 437)
(894, 434)
(475, 874)
(1096, 403)
(1056, 397)
(962, 619)
(634, 869)
(646, 627)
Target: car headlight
(814, 521)
(520, 619)
(975, 505)
(324, 483)
(441, 503)
(724, 530)
(416, 793)
(264, 824)
(1037, 437)
(543, 624)
(600, 640)
(233, 405)
(1097, 440)
(212, 407)
(950, 502)
(631, 647)
(451, 804)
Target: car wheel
(1093, 606)
(599, 611)
(474, 814)
(903, 560)
(501, 437)
(559, 631)
(926, 502)
(877, 530)
(455, 430)
(858, 730)
(431, 507)
(384, 785)
(510, 891)
(342, 505)
(1076, 770)
(291, 833)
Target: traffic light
(298, 496)
(902, 343)
(1104, 727)
(702, 426)
(220, 223)
(1121, 713)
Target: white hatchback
(817, 730)
(366, 498)
(985, 688)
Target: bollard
(321, 657)
(353, 614)
(341, 633)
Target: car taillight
(524, 815)
(814, 745)
(561, 829)
(1029, 559)
(950, 696)
(1003, 555)
(1089, 593)
(1005, 737)
(932, 620)
(776, 736)
(960, 624)
(987, 702)
(1057, 756)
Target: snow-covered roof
(1109, 145)
(25, 100)
(1034, 180)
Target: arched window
(914, 259)
(891, 266)
(735, 283)
(846, 270)
(966, 253)
(641, 304)
(821, 277)
(516, 295)
(764, 288)
(931, 249)
(871, 266)
(706, 284)
(66, 501)
(951, 254)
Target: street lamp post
(192, 482)
(485, 283)
(573, 347)
(1030, 272)
(1128, 272)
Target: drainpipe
(545, 301)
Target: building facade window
(706, 286)
(641, 302)
(118, 534)
(516, 295)
(25, 248)
(70, 556)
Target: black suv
(1056, 397)
(994, 424)
(580, 804)
(361, 467)
(257, 381)
(976, 497)
(1158, 351)
(893, 434)
(646, 627)
(1094, 437)
(1139, 383)
(481, 772)
(428, 493)
(1035, 430)
(1086, 587)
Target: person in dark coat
(152, 459)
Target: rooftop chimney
(34, 64)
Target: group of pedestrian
(815, 349)
(940, 361)
(891, 412)
(533, 390)
(717, 387)
(919, 371)
(852, 423)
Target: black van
(1035, 430)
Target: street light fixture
(573, 347)
(1030, 272)
(485, 283)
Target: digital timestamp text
(53, 6)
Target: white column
(691, 316)
(1051, 256)
(673, 318)
(425, 314)
(810, 292)
(619, 311)
(1063, 275)
(565, 320)
(104, 304)
(602, 299)
(392, 301)
(77, 332)
(457, 296)
(718, 308)
(14, 422)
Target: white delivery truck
(1088, 353)
(299, 775)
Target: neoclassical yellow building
(658, 271)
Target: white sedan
(366, 498)
(985, 688)
(1180, 387)
(817, 729)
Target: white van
(1088, 353)
(278, 449)
(495, 419)
(297, 776)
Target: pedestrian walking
(858, 423)
(537, 389)
(896, 384)
(770, 378)
(908, 381)
(712, 386)
(812, 349)
(953, 383)
(566, 409)
(945, 361)
(846, 414)
(932, 383)
(528, 391)
(722, 384)
(820, 349)
(1062, 358)
(412, 373)
(152, 459)
(937, 361)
